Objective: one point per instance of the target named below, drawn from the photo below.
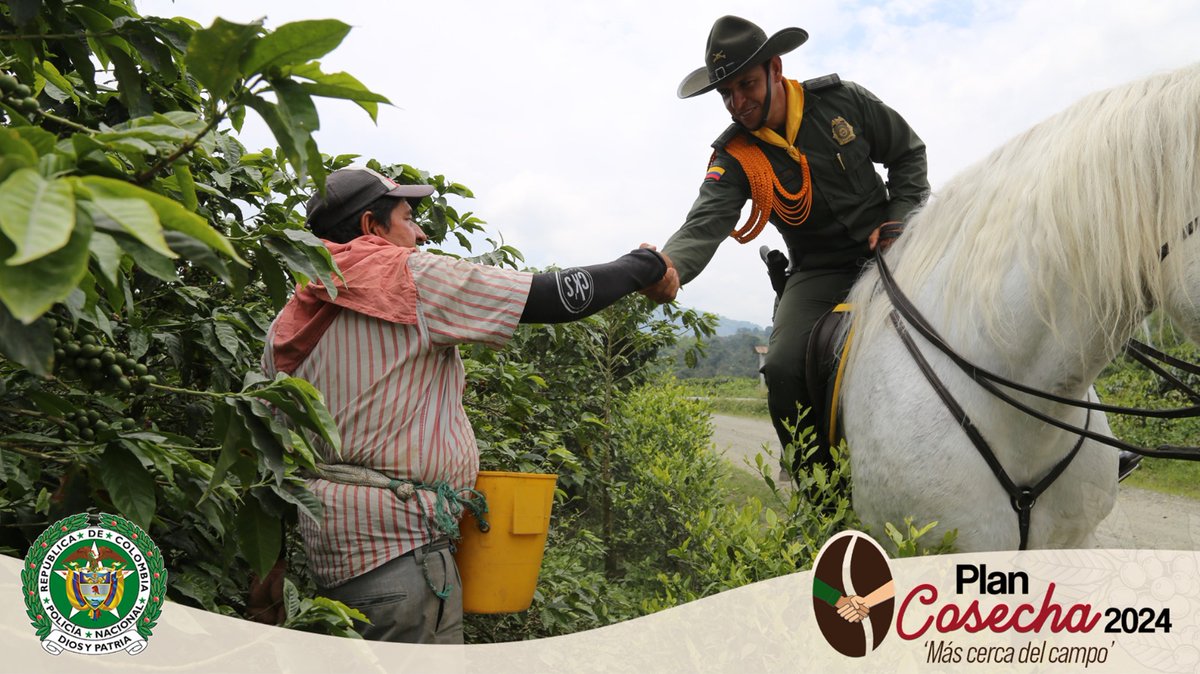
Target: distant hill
(729, 326)
(729, 353)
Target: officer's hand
(885, 234)
(665, 289)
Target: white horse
(1037, 263)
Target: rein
(1023, 499)
(985, 378)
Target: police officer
(804, 154)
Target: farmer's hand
(665, 289)
(265, 603)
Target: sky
(562, 116)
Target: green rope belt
(449, 505)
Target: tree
(724, 356)
(144, 253)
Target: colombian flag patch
(714, 173)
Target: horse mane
(1084, 201)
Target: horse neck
(1064, 359)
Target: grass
(744, 397)
(737, 396)
(1179, 478)
(744, 485)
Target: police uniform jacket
(850, 199)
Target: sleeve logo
(575, 289)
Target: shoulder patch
(824, 82)
(715, 173)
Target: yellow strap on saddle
(841, 371)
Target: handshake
(665, 289)
(855, 608)
(852, 609)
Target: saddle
(825, 365)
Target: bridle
(1023, 498)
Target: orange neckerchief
(767, 195)
(378, 283)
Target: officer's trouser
(807, 296)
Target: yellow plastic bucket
(500, 568)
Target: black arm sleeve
(572, 294)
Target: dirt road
(1141, 519)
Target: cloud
(562, 117)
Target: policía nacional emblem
(93, 588)
(842, 131)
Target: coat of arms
(93, 588)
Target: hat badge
(717, 56)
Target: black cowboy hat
(735, 44)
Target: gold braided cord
(767, 195)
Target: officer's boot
(1127, 462)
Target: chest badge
(842, 131)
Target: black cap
(735, 44)
(350, 190)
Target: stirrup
(1127, 462)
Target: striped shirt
(395, 392)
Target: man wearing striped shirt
(384, 353)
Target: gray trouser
(400, 603)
